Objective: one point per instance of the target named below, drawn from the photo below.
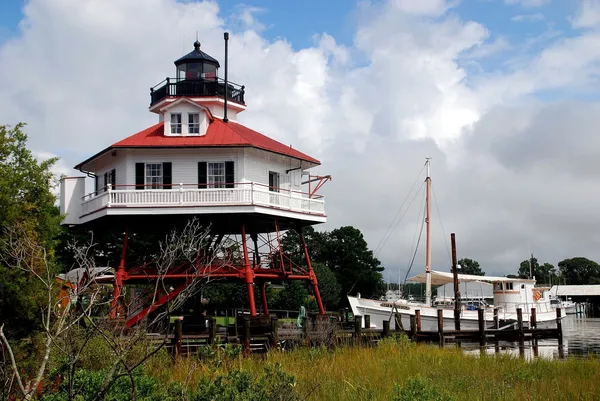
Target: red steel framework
(264, 263)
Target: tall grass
(397, 369)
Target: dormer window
(194, 123)
(176, 123)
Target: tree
(69, 324)
(329, 288)
(470, 266)
(545, 273)
(579, 270)
(26, 201)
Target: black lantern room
(196, 76)
(197, 65)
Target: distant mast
(428, 248)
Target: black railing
(196, 87)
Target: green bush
(419, 389)
(238, 385)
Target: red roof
(218, 134)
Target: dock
(263, 333)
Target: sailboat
(509, 295)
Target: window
(154, 175)
(109, 178)
(273, 181)
(216, 175)
(176, 123)
(194, 123)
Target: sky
(503, 96)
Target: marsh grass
(397, 370)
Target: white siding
(184, 109)
(258, 163)
(184, 161)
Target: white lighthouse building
(199, 161)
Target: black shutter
(229, 175)
(167, 175)
(202, 175)
(113, 177)
(105, 182)
(96, 184)
(139, 175)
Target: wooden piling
(457, 301)
(398, 321)
(418, 319)
(274, 332)
(496, 319)
(212, 330)
(413, 327)
(247, 335)
(481, 321)
(559, 327)
(440, 319)
(177, 338)
(386, 329)
(367, 322)
(533, 319)
(520, 328)
(357, 327)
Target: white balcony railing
(190, 195)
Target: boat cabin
(197, 159)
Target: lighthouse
(199, 162)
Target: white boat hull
(379, 311)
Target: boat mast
(428, 247)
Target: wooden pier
(261, 333)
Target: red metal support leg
(265, 304)
(311, 273)
(119, 274)
(249, 274)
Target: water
(581, 338)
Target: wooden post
(496, 319)
(398, 322)
(247, 335)
(413, 327)
(386, 328)
(533, 319)
(457, 302)
(481, 321)
(367, 322)
(212, 329)
(559, 327)
(235, 326)
(357, 327)
(178, 337)
(226, 325)
(520, 328)
(274, 332)
(418, 319)
(440, 318)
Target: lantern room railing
(196, 87)
(176, 195)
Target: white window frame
(276, 181)
(153, 175)
(194, 127)
(215, 180)
(176, 126)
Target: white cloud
(529, 3)
(508, 171)
(588, 14)
(528, 17)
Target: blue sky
(298, 21)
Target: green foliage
(545, 273)
(329, 288)
(27, 202)
(239, 385)
(470, 266)
(419, 389)
(579, 270)
(345, 252)
(292, 296)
